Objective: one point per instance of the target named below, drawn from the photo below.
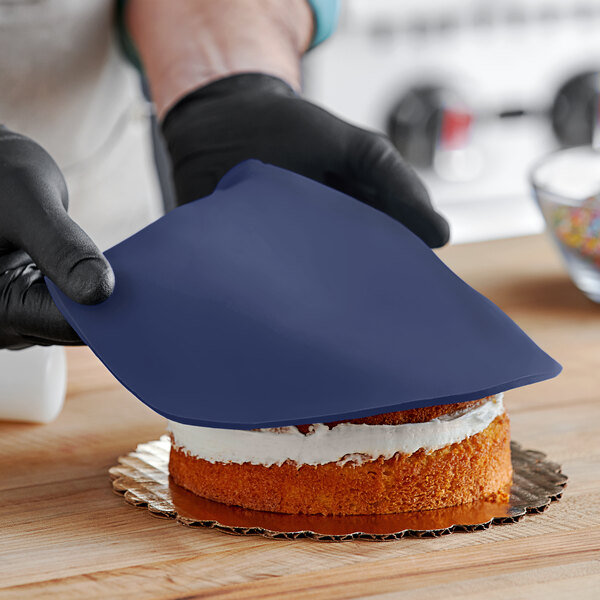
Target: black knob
(575, 109)
(422, 118)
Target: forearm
(189, 43)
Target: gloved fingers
(378, 175)
(13, 259)
(28, 168)
(28, 313)
(65, 254)
(195, 179)
(33, 203)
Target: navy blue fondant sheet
(279, 301)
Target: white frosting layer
(345, 442)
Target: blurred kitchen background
(472, 92)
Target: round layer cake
(412, 460)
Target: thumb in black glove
(38, 238)
(259, 116)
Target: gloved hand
(38, 238)
(259, 116)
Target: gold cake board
(142, 477)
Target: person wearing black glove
(231, 94)
(225, 79)
(38, 238)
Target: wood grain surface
(65, 534)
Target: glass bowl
(566, 185)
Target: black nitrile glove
(258, 116)
(38, 237)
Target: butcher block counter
(65, 534)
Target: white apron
(65, 83)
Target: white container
(32, 383)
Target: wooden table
(64, 534)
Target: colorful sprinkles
(578, 228)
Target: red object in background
(454, 130)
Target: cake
(412, 460)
